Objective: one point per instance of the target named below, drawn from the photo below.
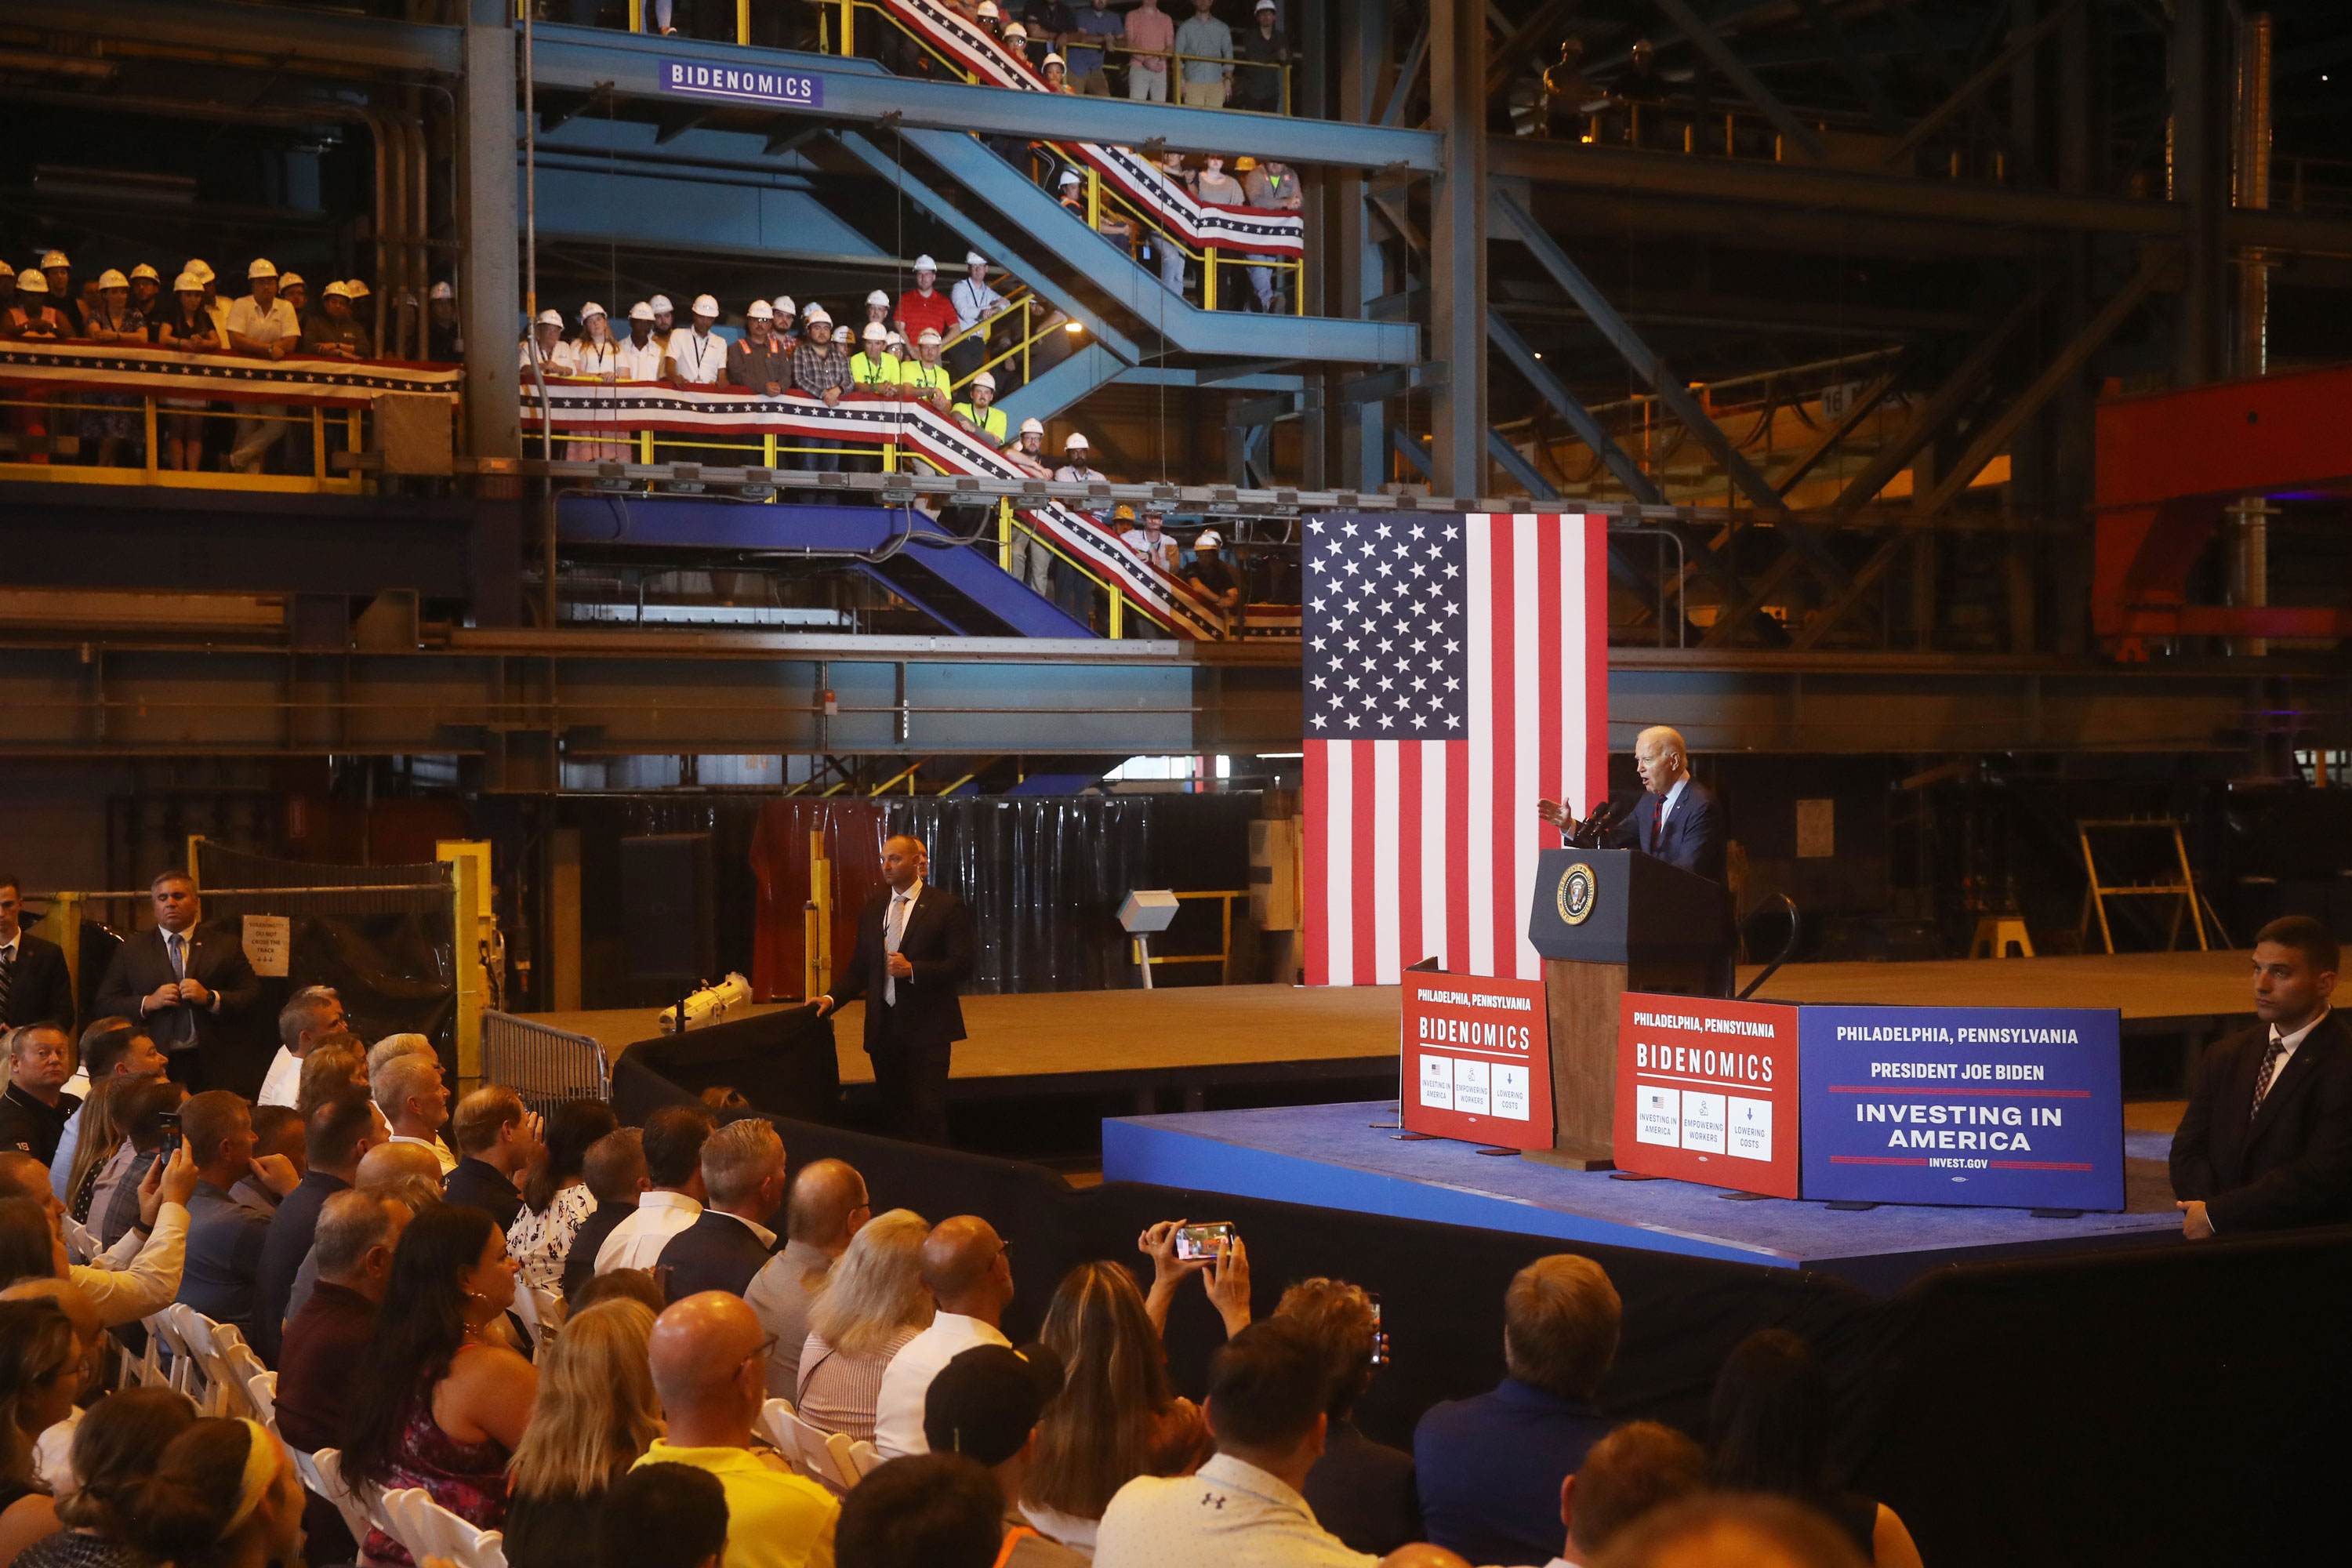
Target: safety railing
(1100, 197)
(131, 439)
(545, 1065)
(1039, 322)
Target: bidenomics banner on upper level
(1988, 1106)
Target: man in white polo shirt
(641, 350)
(968, 1273)
(261, 323)
(674, 1138)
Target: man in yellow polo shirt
(924, 373)
(710, 1367)
(980, 411)
(871, 368)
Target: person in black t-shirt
(1215, 581)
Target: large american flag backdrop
(1456, 671)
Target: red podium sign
(1477, 1059)
(1706, 1091)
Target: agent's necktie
(894, 932)
(2270, 1071)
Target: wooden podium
(1608, 921)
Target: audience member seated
(928, 1510)
(660, 1516)
(1490, 1466)
(225, 1495)
(1769, 1426)
(40, 1367)
(872, 1303)
(1722, 1530)
(1361, 1491)
(327, 1343)
(139, 1274)
(709, 1372)
(224, 1236)
(149, 1112)
(1117, 1418)
(409, 1091)
(1268, 1386)
(53, 1449)
(556, 1201)
(438, 1403)
(2266, 1141)
(498, 1140)
(406, 1171)
(824, 1207)
(116, 1446)
(1635, 1470)
(729, 1242)
(339, 1133)
(308, 1017)
(30, 1248)
(614, 1170)
(277, 1129)
(334, 1062)
(674, 1136)
(966, 1269)
(1225, 1277)
(594, 1415)
(115, 1054)
(34, 1107)
(639, 1285)
(986, 1405)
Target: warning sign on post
(268, 939)
(1480, 1052)
(1706, 1091)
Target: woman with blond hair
(870, 1304)
(593, 1416)
(1116, 1417)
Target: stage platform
(1329, 1156)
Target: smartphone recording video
(1195, 1242)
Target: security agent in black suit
(35, 987)
(1677, 819)
(914, 948)
(743, 1171)
(189, 986)
(2266, 1142)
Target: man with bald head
(712, 1379)
(968, 1274)
(914, 949)
(826, 1204)
(1677, 819)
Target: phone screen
(1380, 1334)
(1198, 1241)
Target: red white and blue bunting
(227, 378)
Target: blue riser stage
(1328, 1155)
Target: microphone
(1584, 836)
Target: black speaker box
(666, 896)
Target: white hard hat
(1016, 33)
(291, 280)
(877, 333)
(442, 291)
(895, 340)
(1075, 440)
(54, 258)
(841, 335)
(1069, 176)
(110, 278)
(704, 305)
(186, 282)
(661, 303)
(974, 258)
(551, 318)
(335, 289)
(1209, 540)
(878, 298)
(262, 267)
(925, 264)
(1032, 427)
(784, 306)
(760, 310)
(1266, 5)
(201, 269)
(927, 335)
(32, 282)
(1058, 60)
(588, 309)
(988, 9)
(816, 313)
(641, 312)
(358, 286)
(144, 271)
(984, 379)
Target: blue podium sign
(1988, 1106)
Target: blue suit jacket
(1489, 1468)
(1693, 839)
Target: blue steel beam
(1110, 268)
(1049, 391)
(859, 90)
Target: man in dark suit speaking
(189, 986)
(34, 986)
(1677, 819)
(914, 948)
(2266, 1142)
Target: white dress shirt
(2287, 1043)
(701, 361)
(907, 1381)
(972, 301)
(895, 916)
(1230, 1514)
(283, 1086)
(638, 1241)
(440, 1150)
(247, 318)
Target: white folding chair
(428, 1529)
(166, 1336)
(541, 1312)
(808, 1448)
(322, 1474)
(261, 1392)
(854, 1457)
(216, 1348)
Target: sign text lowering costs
(1706, 1091)
(1477, 1059)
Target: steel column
(1457, 248)
(489, 296)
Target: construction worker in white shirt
(980, 414)
(1032, 561)
(924, 373)
(640, 352)
(546, 347)
(697, 356)
(259, 323)
(871, 369)
(974, 302)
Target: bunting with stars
(1456, 671)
